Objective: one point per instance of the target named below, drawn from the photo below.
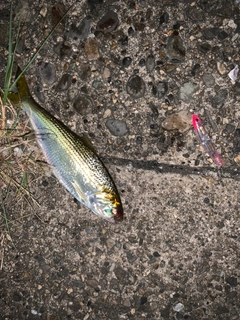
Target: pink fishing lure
(205, 140)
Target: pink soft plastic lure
(205, 140)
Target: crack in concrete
(232, 172)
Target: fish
(72, 158)
(205, 140)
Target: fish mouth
(117, 214)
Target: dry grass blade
(2, 238)
(18, 152)
(18, 160)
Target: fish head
(107, 205)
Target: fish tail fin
(23, 90)
(22, 85)
(14, 99)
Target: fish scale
(74, 163)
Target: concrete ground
(130, 74)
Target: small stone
(221, 68)
(133, 311)
(143, 300)
(116, 127)
(34, 312)
(47, 72)
(232, 24)
(57, 12)
(139, 26)
(38, 90)
(229, 129)
(180, 121)
(130, 31)
(82, 104)
(154, 110)
(219, 99)
(84, 71)
(69, 291)
(178, 307)
(175, 49)
(176, 26)
(187, 91)
(92, 283)
(237, 159)
(124, 41)
(195, 13)
(222, 309)
(135, 87)
(205, 47)
(154, 126)
(45, 183)
(150, 63)
(107, 113)
(142, 63)
(62, 50)
(21, 11)
(126, 62)
(208, 80)
(108, 22)
(164, 18)
(91, 49)
(234, 38)
(121, 275)
(106, 73)
(161, 88)
(43, 11)
(211, 33)
(222, 35)
(206, 200)
(17, 296)
(232, 281)
(97, 84)
(195, 69)
(139, 140)
(154, 90)
(64, 82)
(169, 67)
(79, 32)
(236, 141)
(223, 8)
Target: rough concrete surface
(117, 70)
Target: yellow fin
(23, 90)
(14, 98)
(22, 85)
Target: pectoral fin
(80, 194)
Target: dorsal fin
(85, 140)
